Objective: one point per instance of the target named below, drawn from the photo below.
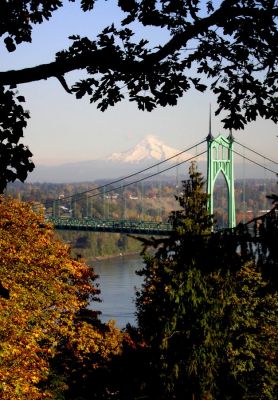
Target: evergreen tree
(204, 308)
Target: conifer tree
(203, 307)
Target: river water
(117, 282)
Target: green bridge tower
(220, 160)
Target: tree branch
(63, 82)
(218, 18)
(56, 68)
(103, 59)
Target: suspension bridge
(221, 152)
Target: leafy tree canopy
(46, 332)
(228, 46)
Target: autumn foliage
(42, 308)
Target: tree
(15, 158)
(230, 48)
(206, 312)
(44, 315)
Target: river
(117, 281)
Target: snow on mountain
(147, 152)
(150, 148)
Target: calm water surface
(117, 281)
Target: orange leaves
(47, 289)
(99, 342)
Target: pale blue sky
(63, 129)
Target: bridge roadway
(109, 225)
(147, 227)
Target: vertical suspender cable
(87, 203)
(108, 197)
(142, 201)
(177, 178)
(70, 206)
(124, 196)
(160, 195)
(265, 171)
(244, 187)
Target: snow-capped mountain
(147, 152)
(150, 148)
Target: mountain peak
(149, 148)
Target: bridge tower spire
(220, 160)
(210, 134)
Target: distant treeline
(146, 200)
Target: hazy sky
(63, 129)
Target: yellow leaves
(97, 344)
(47, 288)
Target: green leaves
(15, 158)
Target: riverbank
(112, 256)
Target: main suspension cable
(80, 194)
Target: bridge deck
(108, 225)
